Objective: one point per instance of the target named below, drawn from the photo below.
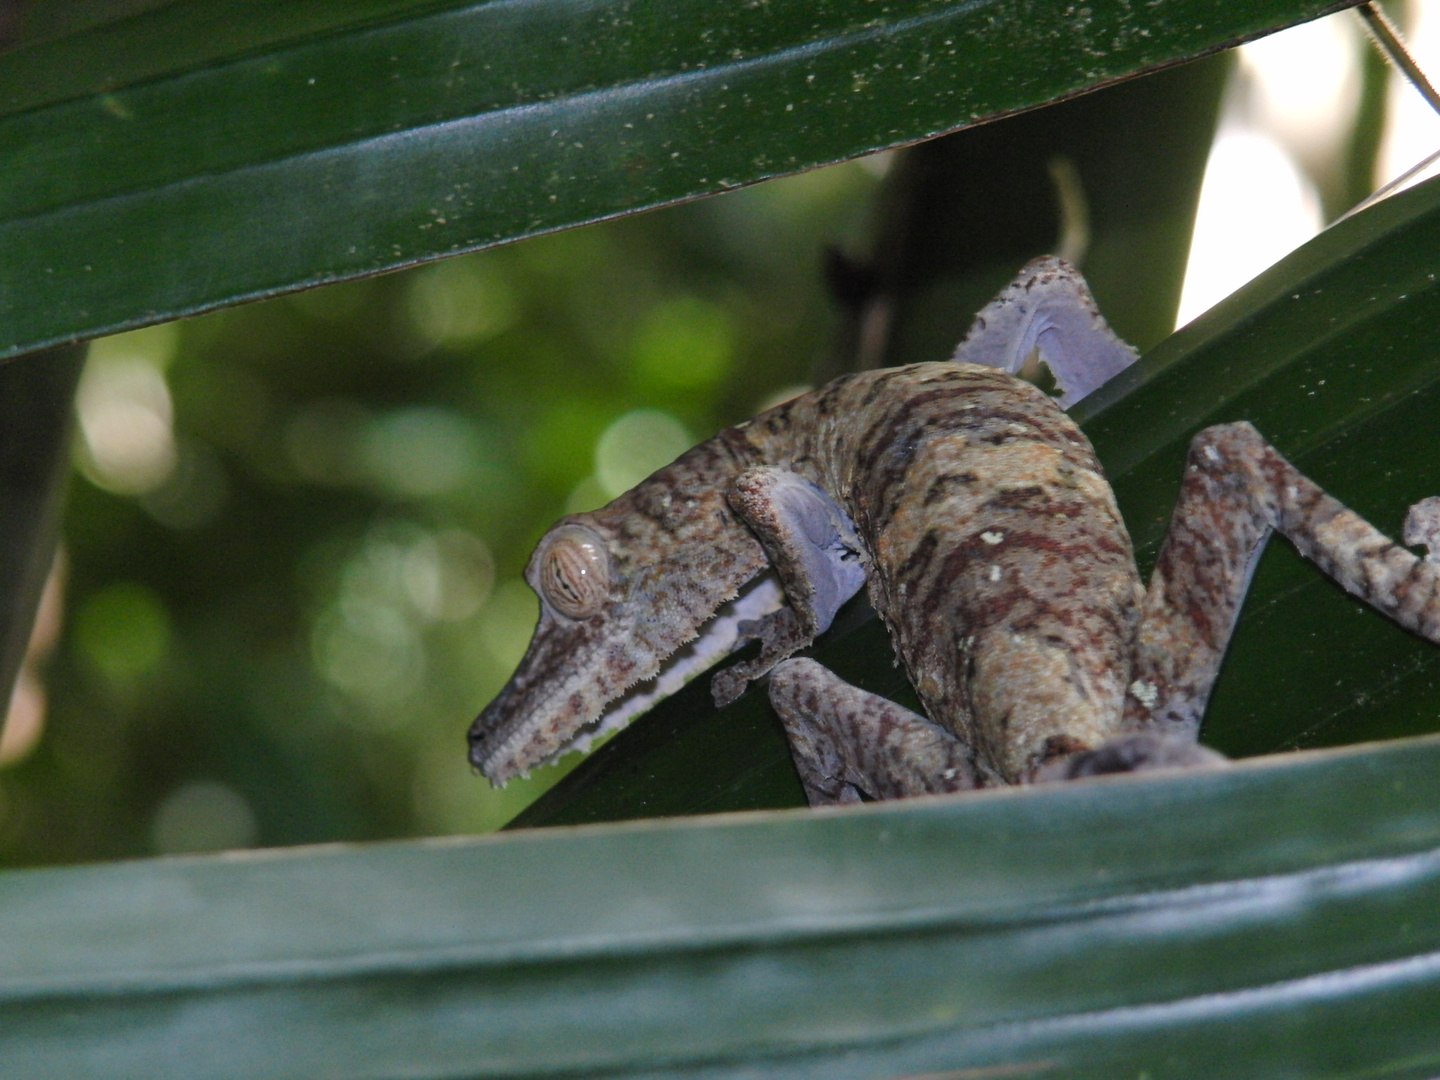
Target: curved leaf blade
(451, 127)
(1032, 929)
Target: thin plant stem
(1387, 39)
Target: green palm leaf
(233, 151)
(1275, 918)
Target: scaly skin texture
(992, 546)
(677, 552)
(1237, 489)
(992, 549)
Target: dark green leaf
(305, 148)
(1279, 914)
(1331, 355)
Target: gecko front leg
(1237, 490)
(811, 544)
(843, 739)
(846, 740)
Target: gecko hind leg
(846, 741)
(811, 544)
(1237, 489)
(1048, 309)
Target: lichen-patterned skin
(992, 547)
(1236, 490)
(995, 553)
(677, 553)
(896, 752)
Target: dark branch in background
(36, 396)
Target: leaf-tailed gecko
(977, 515)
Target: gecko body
(980, 519)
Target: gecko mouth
(716, 640)
(503, 757)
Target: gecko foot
(847, 742)
(779, 634)
(1422, 527)
(1140, 752)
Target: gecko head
(547, 702)
(621, 591)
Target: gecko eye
(575, 572)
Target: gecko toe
(727, 686)
(1141, 752)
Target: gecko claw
(727, 686)
(779, 633)
(1422, 527)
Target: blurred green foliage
(279, 623)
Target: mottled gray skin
(990, 540)
(1237, 489)
(678, 552)
(993, 548)
(1161, 652)
(993, 551)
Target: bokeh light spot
(123, 631)
(369, 650)
(635, 445)
(125, 421)
(367, 640)
(460, 302)
(448, 577)
(684, 344)
(422, 452)
(203, 815)
(586, 495)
